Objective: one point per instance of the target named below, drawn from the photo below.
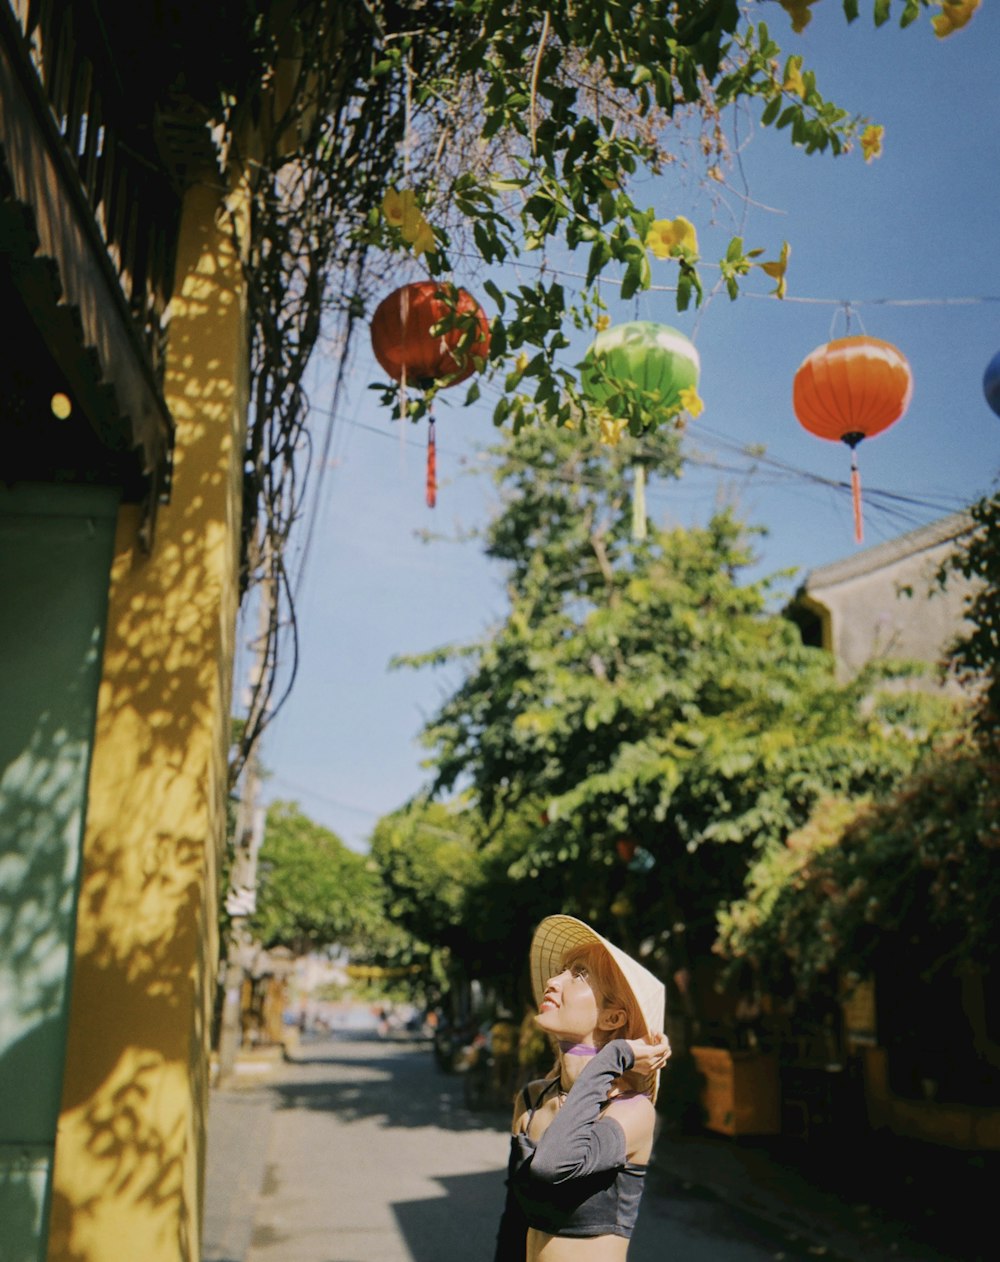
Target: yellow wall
(951, 1125)
(130, 1144)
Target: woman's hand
(651, 1056)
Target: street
(359, 1150)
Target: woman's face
(570, 1007)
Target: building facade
(886, 602)
(123, 398)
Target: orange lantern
(850, 389)
(430, 334)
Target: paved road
(360, 1151)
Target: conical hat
(557, 936)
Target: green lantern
(639, 371)
(640, 365)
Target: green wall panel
(56, 546)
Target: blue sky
(895, 239)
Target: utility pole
(241, 896)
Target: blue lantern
(991, 383)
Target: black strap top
(576, 1179)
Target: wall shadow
(459, 1226)
(397, 1087)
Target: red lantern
(851, 389)
(412, 348)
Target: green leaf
(910, 13)
(600, 255)
(632, 280)
(498, 339)
(496, 294)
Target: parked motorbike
(489, 1063)
(449, 1043)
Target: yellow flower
(396, 206)
(401, 211)
(871, 141)
(777, 269)
(521, 362)
(611, 429)
(953, 16)
(686, 237)
(602, 322)
(660, 238)
(420, 236)
(798, 11)
(793, 77)
(668, 237)
(691, 403)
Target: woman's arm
(579, 1141)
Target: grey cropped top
(576, 1180)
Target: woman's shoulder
(636, 1115)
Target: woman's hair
(612, 991)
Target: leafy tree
(312, 890)
(914, 875)
(452, 897)
(638, 693)
(427, 861)
(976, 654)
(912, 878)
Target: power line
(323, 797)
(569, 274)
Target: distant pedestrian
(582, 1137)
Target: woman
(582, 1137)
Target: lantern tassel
(856, 497)
(639, 503)
(431, 466)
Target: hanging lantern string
(404, 318)
(407, 115)
(431, 487)
(639, 502)
(535, 69)
(855, 303)
(570, 274)
(859, 534)
(849, 314)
